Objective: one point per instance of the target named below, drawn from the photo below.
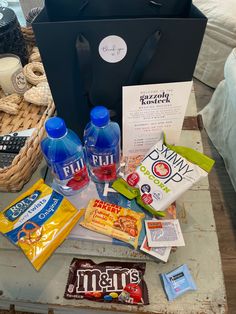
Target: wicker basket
(14, 177)
(26, 162)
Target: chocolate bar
(117, 282)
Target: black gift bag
(69, 10)
(88, 61)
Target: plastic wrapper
(113, 282)
(163, 175)
(164, 233)
(162, 253)
(113, 220)
(38, 221)
(177, 282)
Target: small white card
(164, 233)
(162, 253)
(148, 110)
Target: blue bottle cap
(55, 127)
(99, 116)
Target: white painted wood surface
(37, 291)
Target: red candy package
(117, 282)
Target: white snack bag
(164, 174)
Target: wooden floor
(224, 205)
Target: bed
(219, 39)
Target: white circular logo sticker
(112, 49)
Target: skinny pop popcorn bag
(164, 174)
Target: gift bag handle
(84, 64)
(144, 58)
(84, 59)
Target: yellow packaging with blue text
(38, 221)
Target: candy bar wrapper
(113, 220)
(110, 282)
(163, 175)
(38, 221)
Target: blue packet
(177, 282)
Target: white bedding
(219, 117)
(219, 39)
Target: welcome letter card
(150, 109)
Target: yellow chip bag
(115, 221)
(38, 221)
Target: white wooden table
(35, 291)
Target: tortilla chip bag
(38, 221)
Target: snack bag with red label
(115, 221)
(164, 174)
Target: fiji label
(74, 171)
(102, 160)
(99, 157)
(103, 165)
(68, 169)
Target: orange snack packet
(112, 220)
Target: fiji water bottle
(102, 145)
(63, 152)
